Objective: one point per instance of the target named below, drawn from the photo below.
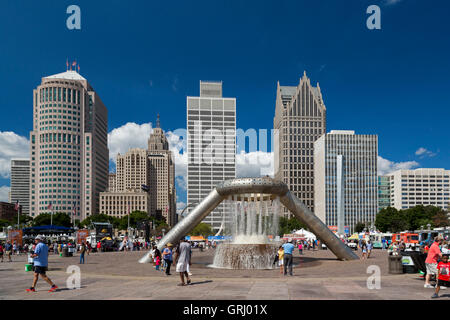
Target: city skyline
(386, 99)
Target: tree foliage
(288, 225)
(202, 229)
(393, 220)
(360, 226)
(59, 219)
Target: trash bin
(408, 263)
(65, 252)
(395, 264)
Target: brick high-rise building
(69, 151)
(300, 119)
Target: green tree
(288, 225)
(4, 223)
(202, 229)
(390, 219)
(360, 226)
(24, 220)
(97, 218)
(440, 219)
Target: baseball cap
(39, 238)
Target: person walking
(8, 250)
(281, 258)
(99, 246)
(369, 248)
(40, 260)
(288, 249)
(82, 252)
(443, 277)
(183, 260)
(300, 247)
(431, 262)
(1, 251)
(167, 256)
(364, 250)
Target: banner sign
(82, 235)
(15, 236)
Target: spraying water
(250, 220)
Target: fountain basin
(245, 256)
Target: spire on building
(157, 121)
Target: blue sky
(145, 57)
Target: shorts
(39, 269)
(280, 262)
(8, 253)
(181, 267)
(443, 283)
(431, 268)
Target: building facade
(300, 119)
(161, 176)
(384, 193)
(20, 184)
(428, 187)
(211, 146)
(346, 181)
(7, 211)
(69, 151)
(153, 168)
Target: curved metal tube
(302, 213)
(189, 222)
(267, 186)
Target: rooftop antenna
(157, 121)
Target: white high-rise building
(211, 145)
(345, 178)
(428, 187)
(20, 184)
(68, 146)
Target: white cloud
(130, 135)
(423, 152)
(12, 146)
(386, 166)
(254, 164)
(180, 206)
(4, 193)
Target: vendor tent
(49, 229)
(302, 233)
(354, 237)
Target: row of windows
(59, 94)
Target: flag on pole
(78, 68)
(67, 63)
(74, 209)
(74, 64)
(17, 206)
(49, 207)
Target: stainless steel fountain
(256, 204)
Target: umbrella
(354, 237)
(106, 238)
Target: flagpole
(18, 214)
(51, 217)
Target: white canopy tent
(304, 233)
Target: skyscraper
(20, 184)
(161, 175)
(300, 119)
(136, 168)
(211, 145)
(345, 178)
(69, 152)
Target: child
(281, 258)
(300, 247)
(443, 275)
(157, 262)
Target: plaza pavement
(118, 275)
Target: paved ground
(118, 275)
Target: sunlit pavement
(118, 275)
